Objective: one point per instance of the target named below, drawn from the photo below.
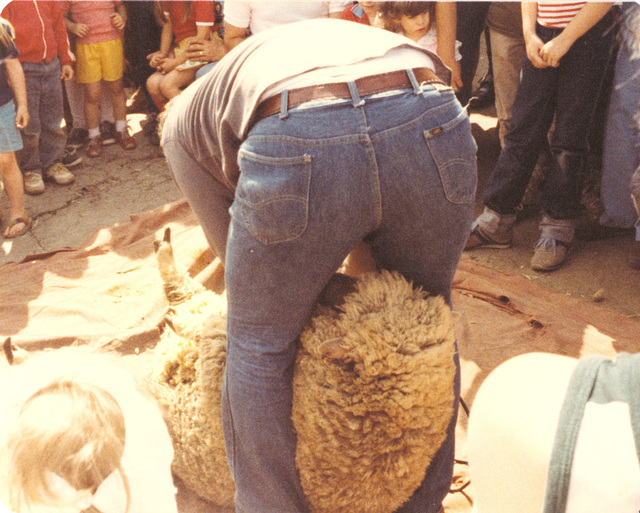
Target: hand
(22, 117)
(169, 64)
(80, 29)
(117, 21)
(534, 45)
(456, 76)
(156, 59)
(210, 50)
(66, 73)
(553, 51)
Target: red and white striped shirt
(558, 14)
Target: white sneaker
(59, 174)
(33, 183)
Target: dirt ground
(110, 188)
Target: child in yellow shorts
(98, 25)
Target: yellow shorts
(99, 61)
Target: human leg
(52, 136)
(29, 155)
(508, 54)
(427, 207)
(10, 142)
(470, 25)
(153, 88)
(173, 82)
(621, 155)
(13, 184)
(92, 93)
(209, 198)
(310, 188)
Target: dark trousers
(569, 91)
(471, 18)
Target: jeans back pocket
(272, 197)
(454, 151)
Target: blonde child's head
(6, 33)
(73, 430)
(413, 19)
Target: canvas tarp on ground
(108, 294)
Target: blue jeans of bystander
(43, 137)
(621, 152)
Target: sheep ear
(8, 350)
(167, 235)
(332, 349)
(13, 353)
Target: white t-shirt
(259, 16)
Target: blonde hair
(6, 33)
(74, 430)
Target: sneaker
(94, 148)
(77, 138)
(484, 95)
(108, 133)
(482, 239)
(33, 183)
(633, 259)
(125, 140)
(71, 158)
(549, 255)
(59, 174)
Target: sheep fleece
(373, 395)
(371, 412)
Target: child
(77, 435)
(182, 22)
(45, 60)
(559, 78)
(419, 22)
(11, 119)
(99, 49)
(360, 12)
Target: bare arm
(532, 41)
(446, 18)
(119, 18)
(166, 38)
(78, 29)
(233, 36)
(553, 51)
(15, 76)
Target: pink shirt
(96, 14)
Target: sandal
(25, 220)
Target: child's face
(414, 27)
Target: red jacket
(40, 32)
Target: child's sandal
(25, 220)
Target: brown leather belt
(340, 90)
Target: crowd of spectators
(165, 45)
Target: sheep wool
(373, 395)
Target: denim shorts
(10, 138)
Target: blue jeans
(43, 138)
(570, 92)
(621, 151)
(398, 171)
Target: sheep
(373, 391)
